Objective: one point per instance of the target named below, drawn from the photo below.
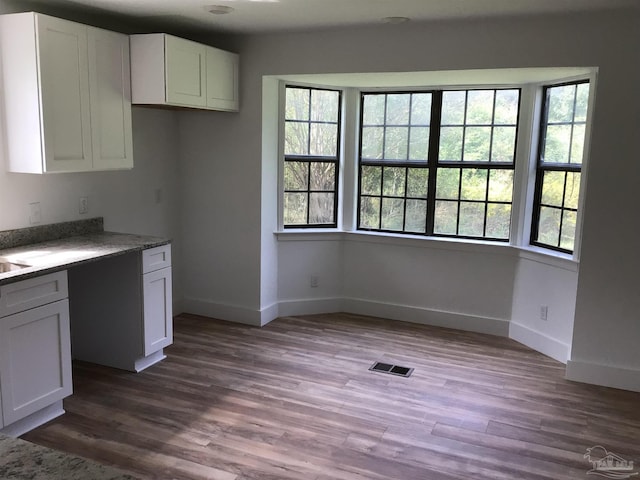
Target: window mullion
(432, 160)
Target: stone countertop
(23, 460)
(60, 254)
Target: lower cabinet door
(158, 310)
(35, 359)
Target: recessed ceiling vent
(392, 369)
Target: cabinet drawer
(156, 258)
(26, 294)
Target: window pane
(477, 141)
(453, 104)
(471, 219)
(297, 104)
(320, 208)
(324, 105)
(372, 141)
(501, 186)
(582, 102)
(396, 142)
(479, 107)
(296, 175)
(557, 144)
(417, 182)
(369, 212)
(572, 193)
(498, 220)
(568, 237)
(553, 188)
(549, 229)
(419, 146)
(296, 138)
(448, 183)
(450, 144)
(446, 218)
(392, 213)
(577, 144)
(416, 220)
(398, 109)
(561, 103)
(324, 140)
(504, 144)
(474, 184)
(394, 181)
(323, 176)
(373, 110)
(506, 107)
(295, 208)
(370, 180)
(421, 109)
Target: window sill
(531, 253)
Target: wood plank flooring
(295, 400)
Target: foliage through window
(557, 191)
(312, 140)
(438, 163)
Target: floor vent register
(391, 369)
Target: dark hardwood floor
(295, 400)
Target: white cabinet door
(64, 84)
(110, 89)
(186, 74)
(222, 79)
(158, 310)
(35, 359)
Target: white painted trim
(310, 306)
(604, 375)
(230, 313)
(427, 316)
(270, 313)
(145, 362)
(34, 420)
(539, 342)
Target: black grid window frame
(543, 167)
(433, 165)
(311, 159)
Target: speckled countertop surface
(22, 460)
(63, 253)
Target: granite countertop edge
(75, 251)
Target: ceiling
(259, 16)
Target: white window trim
(524, 176)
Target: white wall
(126, 199)
(554, 285)
(608, 286)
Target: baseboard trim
(428, 316)
(310, 306)
(540, 342)
(231, 313)
(34, 420)
(604, 375)
(270, 313)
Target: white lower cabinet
(158, 319)
(35, 352)
(121, 309)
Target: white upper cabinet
(110, 89)
(167, 70)
(67, 100)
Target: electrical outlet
(314, 281)
(544, 311)
(35, 213)
(84, 205)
